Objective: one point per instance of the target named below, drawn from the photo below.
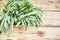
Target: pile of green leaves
(19, 12)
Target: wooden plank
(51, 22)
(41, 33)
(47, 4)
(51, 18)
(51, 15)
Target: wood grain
(41, 33)
(51, 11)
(47, 4)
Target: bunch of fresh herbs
(19, 12)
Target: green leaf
(18, 23)
(9, 1)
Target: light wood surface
(41, 33)
(51, 11)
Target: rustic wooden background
(49, 29)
